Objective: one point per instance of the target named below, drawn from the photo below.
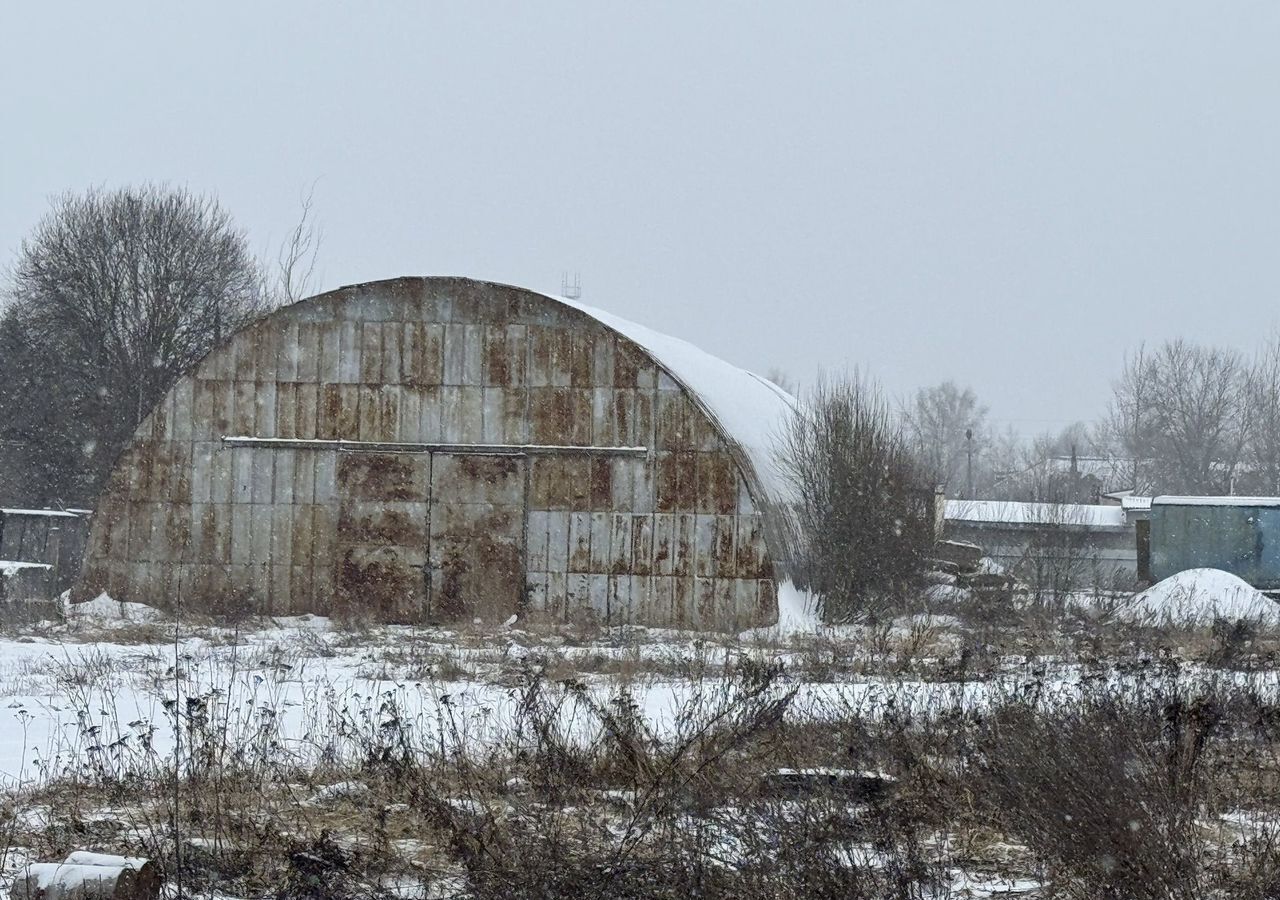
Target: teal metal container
(1240, 535)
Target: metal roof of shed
(1174, 500)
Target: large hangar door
(476, 548)
(382, 533)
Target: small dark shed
(441, 449)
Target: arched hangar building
(441, 449)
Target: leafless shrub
(1106, 789)
(862, 517)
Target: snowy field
(98, 702)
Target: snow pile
(797, 614)
(1198, 596)
(102, 609)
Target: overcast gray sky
(1008, 195)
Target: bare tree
(114, 295)
(295, 274)
(1182, 415)
(1262, 397)
(1130, 420)
(862, 515)
(946, 427)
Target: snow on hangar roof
(752, 410)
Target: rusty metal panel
(663, 544)
(430, 426)
(602, 433)
(369, 413)
(241, 549)
(376, 580)
(705, 546)
(537, 531)
(325, 483)
(399, 524)
(642, 427)
(389, 397)
(623, 417)
(601, 535)
(451, 414)
(642, 545)
(304, 475)
(622, 481)
(202, 402)
(284, 478)
(244, 414)
(287, 353)
(262, 475)
(301, 594)
(723, 550)
(392, 366)
(455, 355)
(477, 536)
(260, 519)
(281, 597)
(717, 487)
(180, 427)
(684, 543)
(557, 541)
(409, 425)
(264, 403)
(505, 355)
(578, 591)
(423, 356)
(494, 428)
(602, 353)
(619, 543)
(286, 410)
(627, 361)
(303, 537)
(307, 411)
(245, 363)
(267, 340)
(221, 475)
(581, 358)
(281, 536)
(308, 365)
(370, 352)
(536, 592)
(557, 595)
(619, 600)
(580, 542)
(671, 421)
(383, 477)
(329, 365)
(600, 481)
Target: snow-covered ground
(322, 691)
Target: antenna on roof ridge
(571, 290)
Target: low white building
(1084, 544)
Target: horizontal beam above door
(407, 447)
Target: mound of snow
(797, 614)
(1198, 596)
(103, 609)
